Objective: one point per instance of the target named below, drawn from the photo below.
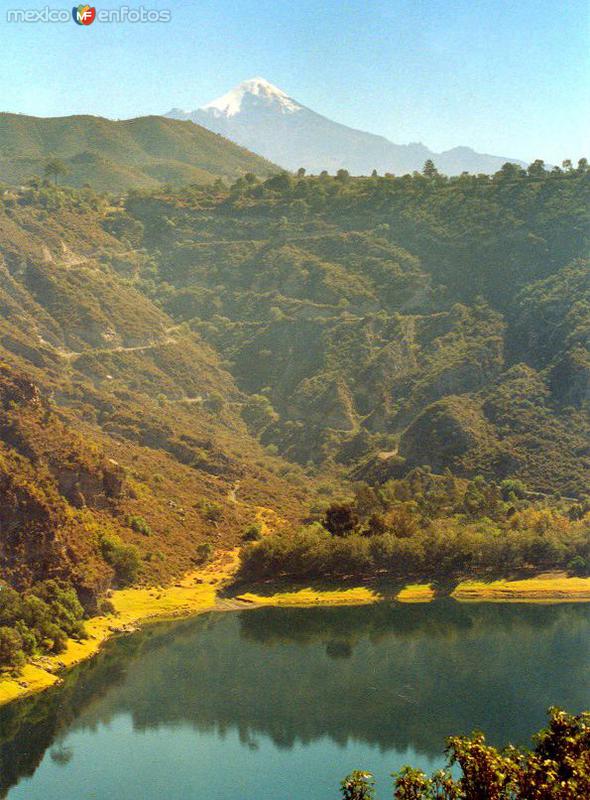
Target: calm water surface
(280, 704)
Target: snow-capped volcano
(265, 119)
(257, 91)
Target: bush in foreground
(557, 768)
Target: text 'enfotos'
(85, 15)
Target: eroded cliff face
(47, 472)
(30, 519)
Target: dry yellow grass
(416, 593)
(308, 596)
(268, 519)
(32, 679)
(548, 587)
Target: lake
(280, 704)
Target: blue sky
(505, 77)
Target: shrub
(11, 648)
(252, 532)
(105, 607)
(139, 525)
(215, 403)
(358, 786)
(211, 511)
(204, 552)
(578, 566)
(124, 559)
(512, 488)
(558, 768)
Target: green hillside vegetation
(116, 155)
(380, 324)
(429, 527)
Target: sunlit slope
(112, 415)
(116, 155)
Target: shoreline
(199, 592)
(195, 593)
(548, 587)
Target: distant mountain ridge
(115, 155)
(265, 119)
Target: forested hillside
(385, 323)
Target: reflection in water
(392, 676)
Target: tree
(509, 171)
(55, 168)
(298, 209)
(482, 499)
(537, 169)
(280, 183)
(238, 187)
(258, 413)
(429, 170)
(367, 499)
(402, 521)
(340, 519)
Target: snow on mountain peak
(230, 104)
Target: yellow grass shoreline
(198, 592)
(548, 587)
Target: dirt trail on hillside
(70, 355)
